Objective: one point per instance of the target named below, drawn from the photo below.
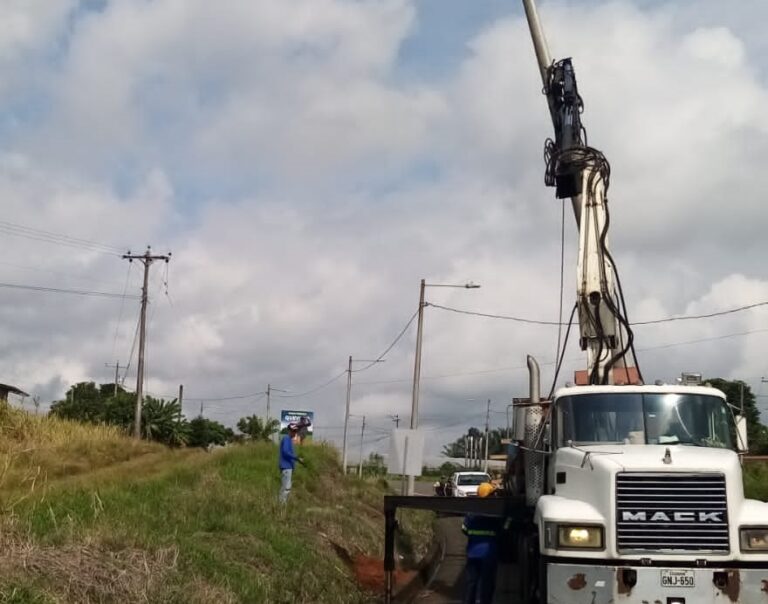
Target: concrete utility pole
(181, 396)
(346, 417)
(146, 259)
(466, 450)
(417, 360)
(269, 392)
(346, 412)
(362, 435)
(117, 367)
(741, 397)
(487, 422)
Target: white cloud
(305, 188)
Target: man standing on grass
(287, 462)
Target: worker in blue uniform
(482, 552)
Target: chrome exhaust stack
(533, 444)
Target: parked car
(464, 484)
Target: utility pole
(346, 412)
(346, 418)
(417, 359)
(487, 420)
(117, 367)
(396, 420)
(181, 396)
(741, 397)
(466, 450)
(417, 373)
(362, 435)
(146, 259)
(202, 405)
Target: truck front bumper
(591, 584)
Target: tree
(164, 422)
(257, 428)
(204, 432)
(757, 433)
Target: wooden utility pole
(146, 259)
(117, 367)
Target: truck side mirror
(742, 446)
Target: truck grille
(669, 511)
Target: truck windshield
(644, 418)
(467, 480)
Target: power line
(120, 313)
(559, 323)
(391, 346)
(547, 363)
(18, 230)
(315, 389)
(493, 316)
(721, 313)
(75, 292)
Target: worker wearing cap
(482, 552)
(287, 462)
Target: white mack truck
(635, 490)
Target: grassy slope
(134, 522)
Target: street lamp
(417, 360)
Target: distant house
(5, 390)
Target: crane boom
(582, 173)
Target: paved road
(447, 585)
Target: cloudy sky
(307, 162)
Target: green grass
(188, 527)
(756, 480)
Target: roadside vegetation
(756, 480)
(90, 515)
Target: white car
(464, 484)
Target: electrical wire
(122, 307)
(635, 323)
(18, 230)
(75, 292)
(562, 279)
(391, 346)
(559, 364)
(313, 390)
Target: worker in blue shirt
(287, 462)
(482, 552)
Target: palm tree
(257, 428)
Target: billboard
(305, 420)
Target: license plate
(678, 578)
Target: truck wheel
(530, 570)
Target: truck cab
(642, 500)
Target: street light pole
(346, 417)
(417, 374)
(417, 361)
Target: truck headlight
(754, 539)
(574, 536)
(460, 493)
